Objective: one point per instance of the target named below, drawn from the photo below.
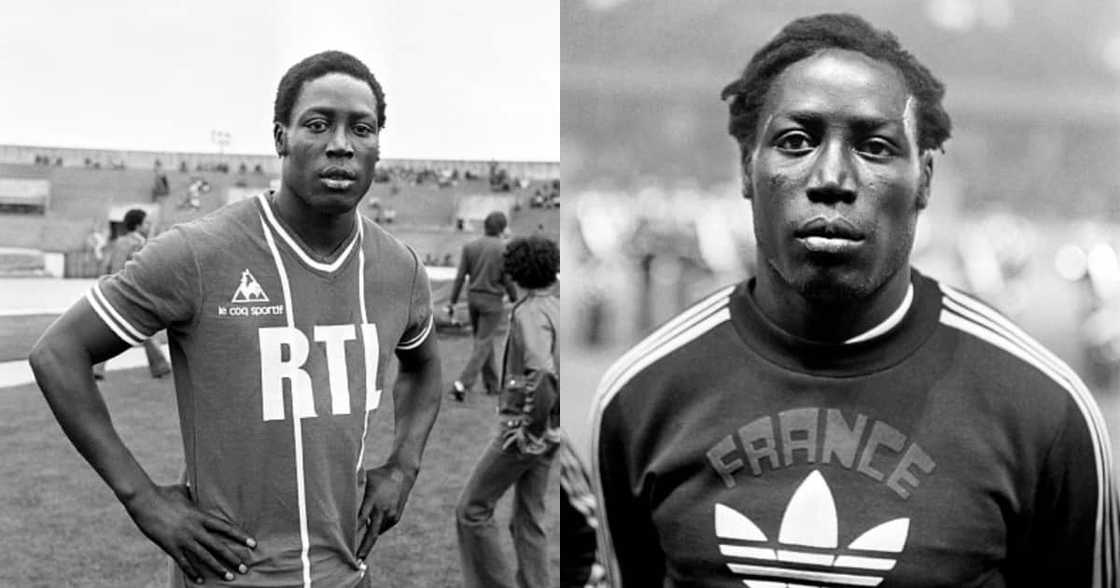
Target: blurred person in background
(120, 250)
(522, 452)
(840, 417)
(579, 567)
(481, 260)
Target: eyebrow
(862, 123)
(328, 110)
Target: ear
(745, 162)
(926, 162)
(280, 136)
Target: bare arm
(460, 277)
(62, 361)
(511, 290)
(416, 400)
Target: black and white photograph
(848, 307)
(279, 298)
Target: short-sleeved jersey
(952, 450)
(277, 362)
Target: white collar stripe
(297, 432)
(307, 259)
(890, 322)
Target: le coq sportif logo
(807, 539)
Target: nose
(339, 145)
(832, 178)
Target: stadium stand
(421, 201)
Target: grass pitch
(61, 526)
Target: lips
(335, 172)
(822, 234)
(337, 178)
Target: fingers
(373, 530)
(201, 553)
(188, 568)
(217, 525)
(228, 557)
(366, 508)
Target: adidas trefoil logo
(249, 290)
(809, 522)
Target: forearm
(64, 376)
(416, 401)
(456, 288)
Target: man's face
(835, 176)
(330, 145)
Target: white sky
(463, 80)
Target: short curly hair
(134, 218)
(532, 262)
(807, 36)
(315, 67)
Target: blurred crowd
(646, 255)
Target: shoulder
(222, 225)
(999, 355)
(660, 353)
(544, 306)
(385, 250)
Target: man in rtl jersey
(841, 419)
(281, 313)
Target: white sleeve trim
(415, 342)
(112, 318)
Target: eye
(878, 147)
(364, 130)
(316, 125)
(794, 143)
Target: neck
(322, 232)
(822, 320)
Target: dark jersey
(278, 360)
(952, 450)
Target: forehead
(837, 83)
(336, 91)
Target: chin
(831, 285)
(334, 202)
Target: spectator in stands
(120, 251)
(481, 259)
(95, 242)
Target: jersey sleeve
(419, 325)
(1073, 537)
(534, 336)
(157, 288)
(628, 541)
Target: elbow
(46, 358)
(40, 357)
